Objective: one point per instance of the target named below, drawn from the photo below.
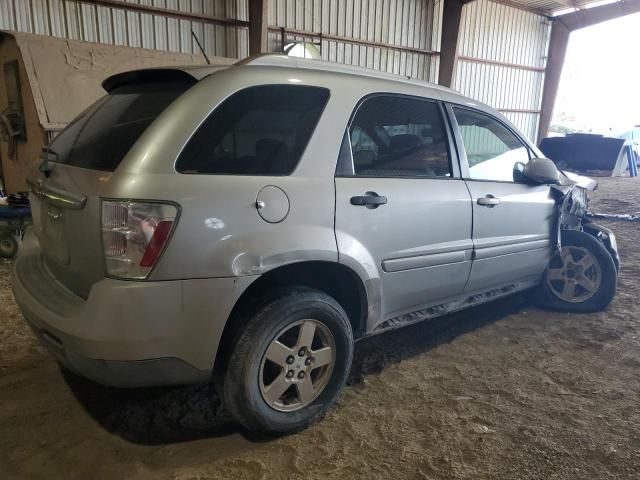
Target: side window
(493, 152)
(256, 131)
(395, 136)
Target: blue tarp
(14, 212)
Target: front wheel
(289, 363)
(581, 277)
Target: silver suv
(246, 224)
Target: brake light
(134, 234)
(154, 248)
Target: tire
(593, 287)
(252, 381)
(8, 246)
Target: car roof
(198, 72)
(340, 69)
(282, 61)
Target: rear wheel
(289, 363)
(581, 277)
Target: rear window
(101, 136)
(257, 131)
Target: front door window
(493, 151)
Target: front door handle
(369, 200)
(488, 201)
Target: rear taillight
(134, 235)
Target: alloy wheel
(297, 365)
(574, 274)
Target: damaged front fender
(572, 202)
(569, 178)
(606, 236)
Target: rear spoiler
(151, 75)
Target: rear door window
(397, 136)
(101, 136)
(260, 130)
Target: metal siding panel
(173, 29)
(7, 16)
(436, 26)
(81, 21)
(198, 31)
(407, 23)
(119, 23)
(499, 86)
(527, 123)
(243, 42)
(72, 20)
(22, 20)
(105, 25)
(160, 27)
(499, 33)
(87, 23)
(40, 17)
(57, 23)
(134, 34)
(431, 68)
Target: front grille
(44, 288)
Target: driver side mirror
(541, 171)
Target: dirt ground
(504, 391)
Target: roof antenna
(204, 54)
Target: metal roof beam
(167, 12)
(586, 17)
(526, 8)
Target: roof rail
(284, 61)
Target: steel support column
(555, 60)
(258, 26)
(451, 14)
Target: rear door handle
(369, 200)
(488, 201)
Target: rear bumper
(117, 373)
(127, 334)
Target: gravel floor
(504, 391)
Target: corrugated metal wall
(93, 23)
(407, 26)
(502, 55)
(501, 49)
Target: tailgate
(66, 218)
